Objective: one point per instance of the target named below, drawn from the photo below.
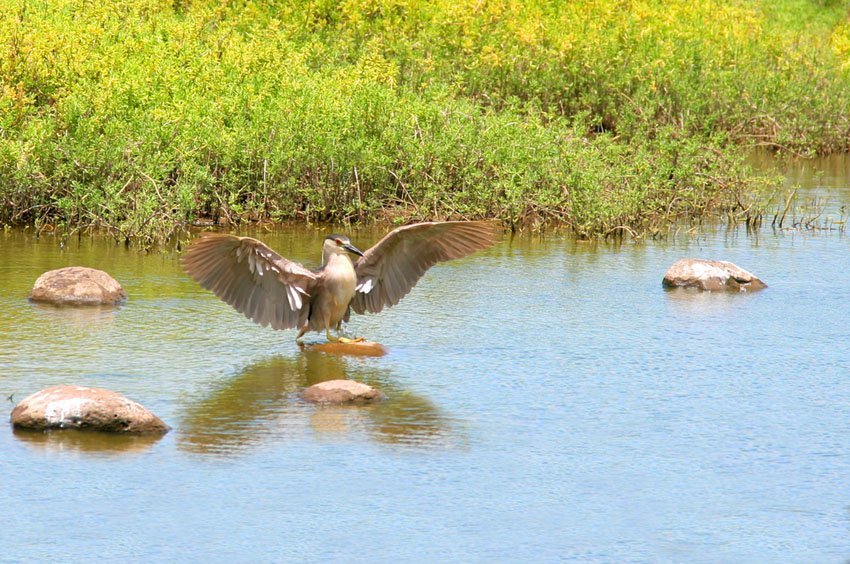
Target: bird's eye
(339, 242)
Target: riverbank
(146, 117)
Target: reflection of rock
(77, 285)
(85, 441)
(87, 318)
(77, 407)
(341, 391)
(361, 348)
(711, 275)
(698, 303)
(330, 421)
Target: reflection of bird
(272, 290)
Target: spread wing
(387, 271)
(259, 283)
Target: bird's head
(336, 244)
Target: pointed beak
(352, 249)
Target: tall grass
(142, 116)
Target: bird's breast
(340, 279)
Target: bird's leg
(330, 337)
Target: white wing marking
(365, 287)
(294, 298)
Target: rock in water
(341, 391)
(712, 275)
(77, 285)
(358, 348)
(77, 407)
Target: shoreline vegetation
(609, 117)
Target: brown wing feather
(259, 283)
(387, 271)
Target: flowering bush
(143, 115)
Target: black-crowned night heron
(274, 291)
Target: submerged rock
(712, 275)
(78, 407)
(77, 285)
(341, 391)
(360, 348)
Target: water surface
(548, 400)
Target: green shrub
(604, 115)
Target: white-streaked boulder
(79, 407)
(711, 275)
